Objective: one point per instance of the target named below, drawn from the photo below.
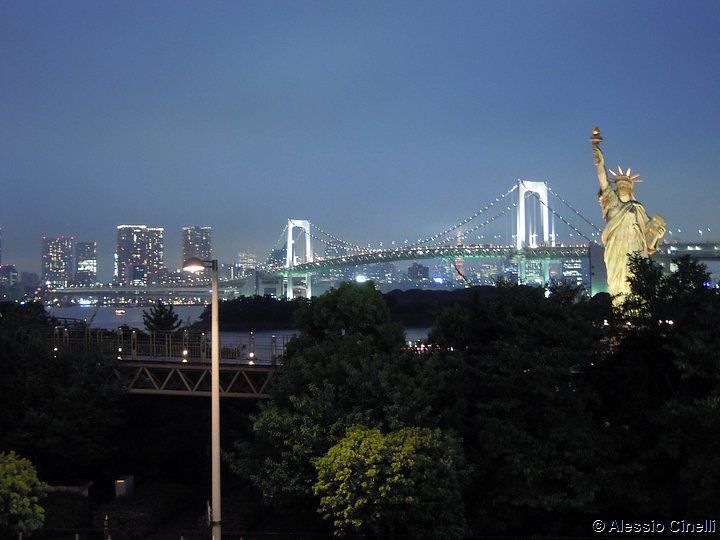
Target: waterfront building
(8, 275)
(155, 256)
(139, 254)
(277, 257)
(85, 263)
(574, 271)
(197, 242)
(247, 261)
(57, 260)
(418, 271)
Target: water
(105, 317)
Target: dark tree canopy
(161, 318)
(57, 408)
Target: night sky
(376, 120)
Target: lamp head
(193, 264)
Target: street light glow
(193, 264)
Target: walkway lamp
(193, 264)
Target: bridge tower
(540, 189)
(291, 258)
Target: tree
(659, 386)
(161, 318)
(20, 494)
(346, 367)
(406, 482)
(57, 408)
(509, 379)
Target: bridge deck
(178, 363)
(193, 379)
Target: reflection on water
(106, 317)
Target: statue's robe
(626, 233)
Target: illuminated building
(247, 261)
(85, 263)
(155, 254)
(57, 260)
(277, 257)
(574, 271)
(418, 271)
(8, 275)
(197, 242)
(139, 254)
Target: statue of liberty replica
(629, 230)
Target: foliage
(20, 494)
(660, 386)
(407, 482)
(66, 510)
(138, 515)
(346, 367)
(59, 409)
(161, 318)
(254, 313)
(567, 408)
(508, 378)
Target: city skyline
(139, 254)
(364, 119)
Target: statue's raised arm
(599, 158)
(628, 228)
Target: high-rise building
(155, 254)
(8, 275)
(85, 263)
(574, 271)
(418, 271)
(57, 260)
(0, 246)
(247, 261)
(277, 257)
(139, 253)
(197, 242)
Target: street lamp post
(194, 264)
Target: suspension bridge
(529, 227)
(541, 227)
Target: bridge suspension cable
(277, 242)
(560, 217)
(432, 239)
(488, 221)
(597, 229)
(335, 238)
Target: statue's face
(625, 191)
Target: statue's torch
(595, 140)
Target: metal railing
(183, 346)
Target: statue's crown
(625, 176)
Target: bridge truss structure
(178, 363)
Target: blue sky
(376, 120)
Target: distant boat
(119, 312)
